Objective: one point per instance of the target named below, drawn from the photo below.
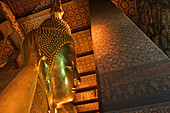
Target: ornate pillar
(131, 70)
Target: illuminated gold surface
(57, 66)
(87, 82)
(86, 64)
(56, 9)
(86, 96)
(48, 52)
(18, 96)
(83, 41)
(88, 107)
(51, 36)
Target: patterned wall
(6, 49)
(86, 64)
(88, 107)
(128, 7)
(87, 82)
(154, 20)
(86, 96)
(77, 15)
(132, 71)
(83, 41)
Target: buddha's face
(64, 76)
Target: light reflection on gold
(47, 53)
(70, 100)
(58, 69)
(66, 81)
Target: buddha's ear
(43, 73)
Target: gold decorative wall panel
(87, 81)
(128, 7)
(86, 96)
(86, 64)
(77, 15)
(6, 49)
(88, 107)
(83, 41)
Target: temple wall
(131, 70)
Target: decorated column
(131, 70)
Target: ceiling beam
(13, 22)
(13, 29)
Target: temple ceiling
(29, 14)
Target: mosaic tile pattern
(87, 107)
(39, 104)
(136, 86)
(86, 64)
(118, 43)
(86, 96)
(87, 82)
(132, 71)
(76, 15)
(128, 7)
(83, 41)
(6, 49)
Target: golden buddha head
(58, 73)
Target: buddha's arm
(18, 96)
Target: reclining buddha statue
(48, 56)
